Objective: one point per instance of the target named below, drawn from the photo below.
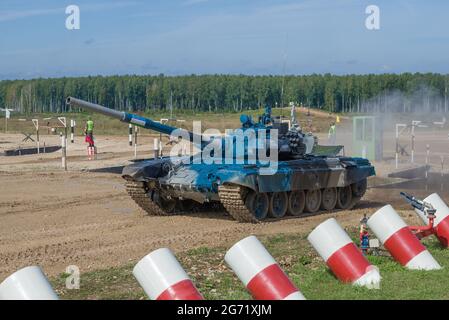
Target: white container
(29, 283)
(397, 238)
(342, 256)
(259, 272)
(163, 278)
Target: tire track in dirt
(89, 221)
(25, 206)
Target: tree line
(407, 92)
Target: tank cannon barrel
(131, 118)
(95, 108)
(122, 116)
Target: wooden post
(63, 121)
(156, 148)
(135, 142)
(64, 151)
(130, 134)
(160, 144)
(36, 126)
(37, 139)
(72, 130)
(160, 149)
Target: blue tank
(308, 178)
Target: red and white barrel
(259, 272)
(441, 222)
(342, 256)
(163, 278)
(397, 238)
(29, 283)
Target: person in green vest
(332, 135)
(89, 132)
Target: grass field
(215, 280)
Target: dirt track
(88, 220)
(53, 218)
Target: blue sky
(222, 36)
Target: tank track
(232, 198)
(139, 193)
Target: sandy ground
(54, 219)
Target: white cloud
(193, 2)
(14, 15)
(11, 15)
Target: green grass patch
(215, 280)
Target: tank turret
(292, 143)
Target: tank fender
(238, 178)
(150, 169)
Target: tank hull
(174, 180)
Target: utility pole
(171, 104)
(283, 74)
(445, 95)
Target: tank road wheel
(329, 200)
(359, 188)
(344, 199)
(186, 205)
(258, 203)
(296, 202)
(234, 199)
(278, 204)
(168, 205)
(143, 197)
(313, 200)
